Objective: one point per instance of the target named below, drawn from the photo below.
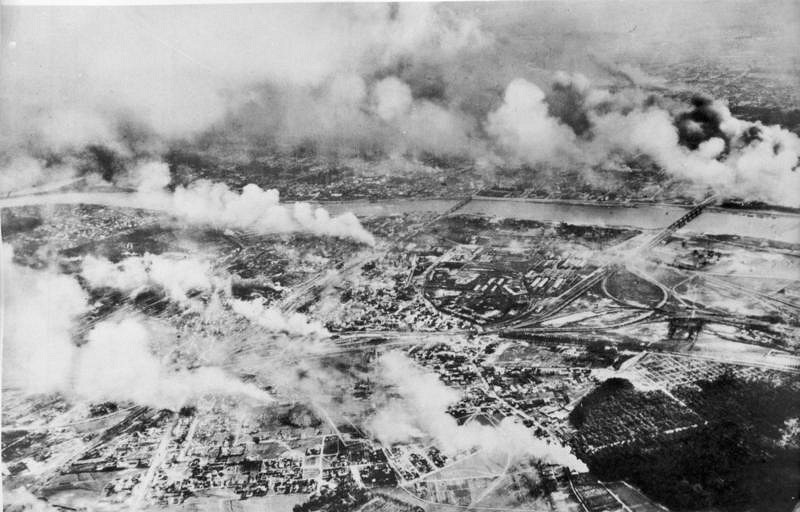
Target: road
(559, 303)
(159, 456)
(352, 341)
(103, 438)
(323, 278)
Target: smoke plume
(214, 204)
(273, 319)
(177, 276)
(23, 172)
(119, 360)
(39, 310)
(722, 154)
(284, 65)
(181, 278)
(523, 127)
(705, 146)
(255, 210)
(421, 412)
(22, 500)
(95, 91)
(117, 364)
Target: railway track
(560, 302)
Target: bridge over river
(770, 225)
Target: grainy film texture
(412, 257)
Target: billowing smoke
(371, 81)
(279, 347)
(117, 364)
(22, 500)
(705, 146)
(119, 360)
(568, 101)
(701, 123)
(523, 127)
(177, 277)
(421, 413)
(253, 209)
(725, 155)
(256, 210)
(294, 74)
(23, 172)
(39, 311)
(150, 176)
(182, 279)
(357, 116)
(273, 319)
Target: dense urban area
(536, 323)
(251, 325)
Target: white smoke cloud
(150, 176)
(623, 125)
(39, 310)
(20, 172)
(440, 131)
(117, 364)
(351, 116)
(175, 275)
(768, 169)
(762, 169)
(180, 277)
(712, 148)
(392, 98)
(68, 128)
(523, 127)
(22, 500)
(255, 209)
(345, 79)
(269, 76)
(139, 62)
(273, 319)
(421, 412)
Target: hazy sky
(177, 66)
(465, 80)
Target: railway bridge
(582, 286)
(678, 224)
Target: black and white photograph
(495, 256)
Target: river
(782, 227)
